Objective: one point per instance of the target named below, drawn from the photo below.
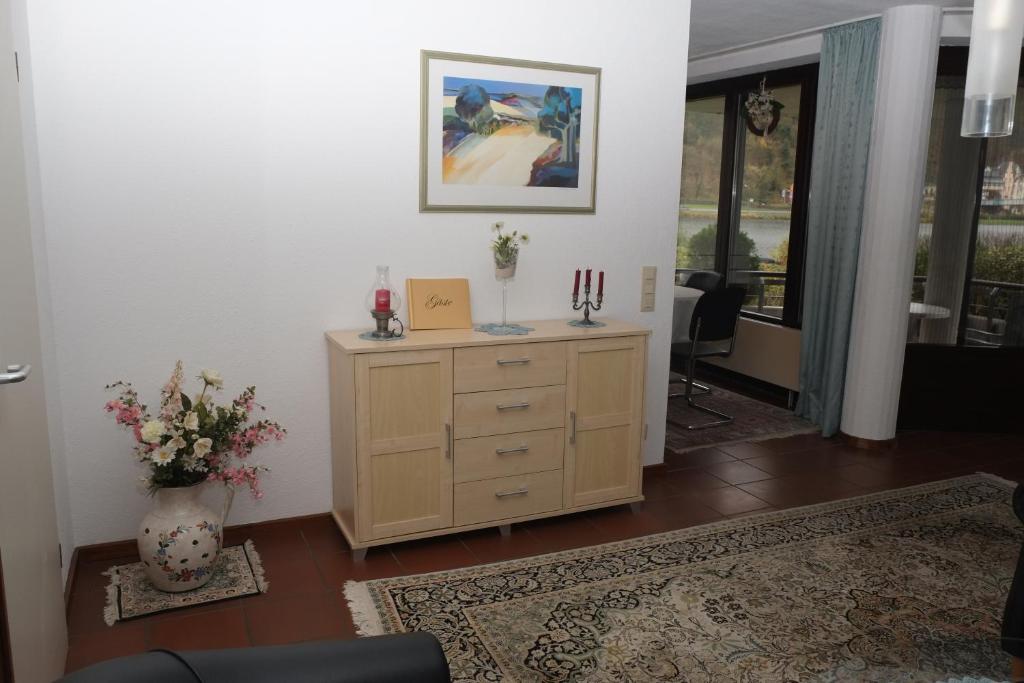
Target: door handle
(518, 492)
(513, 406)
(572, 434)
(15, 374)
(448, 440)
(505, 451)
(514, 361)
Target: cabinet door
(605, 420)
(404, 458)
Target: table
(927, 311)
(919, 312)
(683, 304)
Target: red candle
(576, 285)
(600, 284)
(382, 301)
(588, 278)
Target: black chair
(704, 280)
(383, 659)
(712, 335)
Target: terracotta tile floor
(307, 560)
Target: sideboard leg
(505, 529)
(358, 555)
(636, 507)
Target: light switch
(648, 286)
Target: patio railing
(994, 311)
(766, 289)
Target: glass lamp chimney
(382, 297)
(990, 94)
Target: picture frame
(507, 135)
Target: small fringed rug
(131, 595)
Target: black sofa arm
(382, 659)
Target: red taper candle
(576, 285)
(382, 300)
(588, 278)
(600, 284)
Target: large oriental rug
(906, 585)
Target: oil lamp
(382, 301)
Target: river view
(769, 233)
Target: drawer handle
(518, 492)
(505, 451)
(513, 361)
(513, 406)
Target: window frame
(734, 91)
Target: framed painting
(507, 135)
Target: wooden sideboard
(451, 430)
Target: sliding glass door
(765, 188)
(743, 198)
(965, 351)
(995, 294)
(968, 286)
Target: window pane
(698, 196)
(995, 305)
(760, 246)
(947, 214)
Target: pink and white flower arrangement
(194, 440)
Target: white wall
(765, 351)
(219, 179)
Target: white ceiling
(721, 24)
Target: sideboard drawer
(512, 410)
(509, 366)
(496, 499)
(506, 455)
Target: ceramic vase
(180, 539)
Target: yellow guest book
(438, 303)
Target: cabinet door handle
(513, 406)
(522, 491)
(572, 419)
(513, 361)
(519, 449)
(448, 440)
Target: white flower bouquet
(195, 440)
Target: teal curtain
(842, 132)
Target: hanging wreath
(762, 111)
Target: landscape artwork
(505, 133)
